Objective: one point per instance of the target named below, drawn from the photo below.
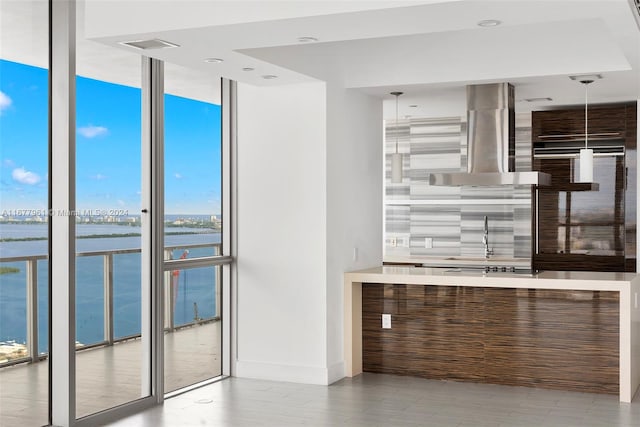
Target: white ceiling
(428, 49)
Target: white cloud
(24, 176)
(178, 175)
(99, 177)
(5, 101)
(121, 202)
(8, 163)
(91, 131)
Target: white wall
(309, 192)
(281, 233)
(354, 202)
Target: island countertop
(578, 280)
(626, 284)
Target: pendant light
(396, 157)
(586, 154)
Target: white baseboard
(289, 373)
(336, 372)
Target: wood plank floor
(379, 400)
(109, 376)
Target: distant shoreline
(102, 236)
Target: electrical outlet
(355, 254)
(386, 321)
(393, 242)
(428, 242)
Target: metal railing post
(218, 282)
(32, 309)
(107, 284)
(169, 321)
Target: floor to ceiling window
(98, 308)
(193, 226)
(109, 341)
(24, 291)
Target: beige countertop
(578, 280)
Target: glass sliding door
(193, 224)
(109, 305)
(110, 348)
(24, 150)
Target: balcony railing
(170, 268)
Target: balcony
(108, 370)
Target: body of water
(192, 287)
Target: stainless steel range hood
(490, 141)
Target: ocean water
(192, 287)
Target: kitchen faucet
(485, 239)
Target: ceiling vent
(149, 44)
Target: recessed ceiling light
(489, 23)
(149, 44)
(213, 60)
(413, 106)
(544, 99)
(269, 77)
(583, 77)
(307, 39)
(248, 69)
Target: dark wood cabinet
(574, 226)
(557, 339)
(558, 125)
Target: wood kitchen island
(563, 330)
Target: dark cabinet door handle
(145, 210)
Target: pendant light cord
(586, 115)
(586, 110)
(397, 125)
(397, 94)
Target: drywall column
(354, 202)
(309, 209)
(281, 242)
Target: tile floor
(385, 400)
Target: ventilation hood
(490, 141)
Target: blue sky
(107, 144)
